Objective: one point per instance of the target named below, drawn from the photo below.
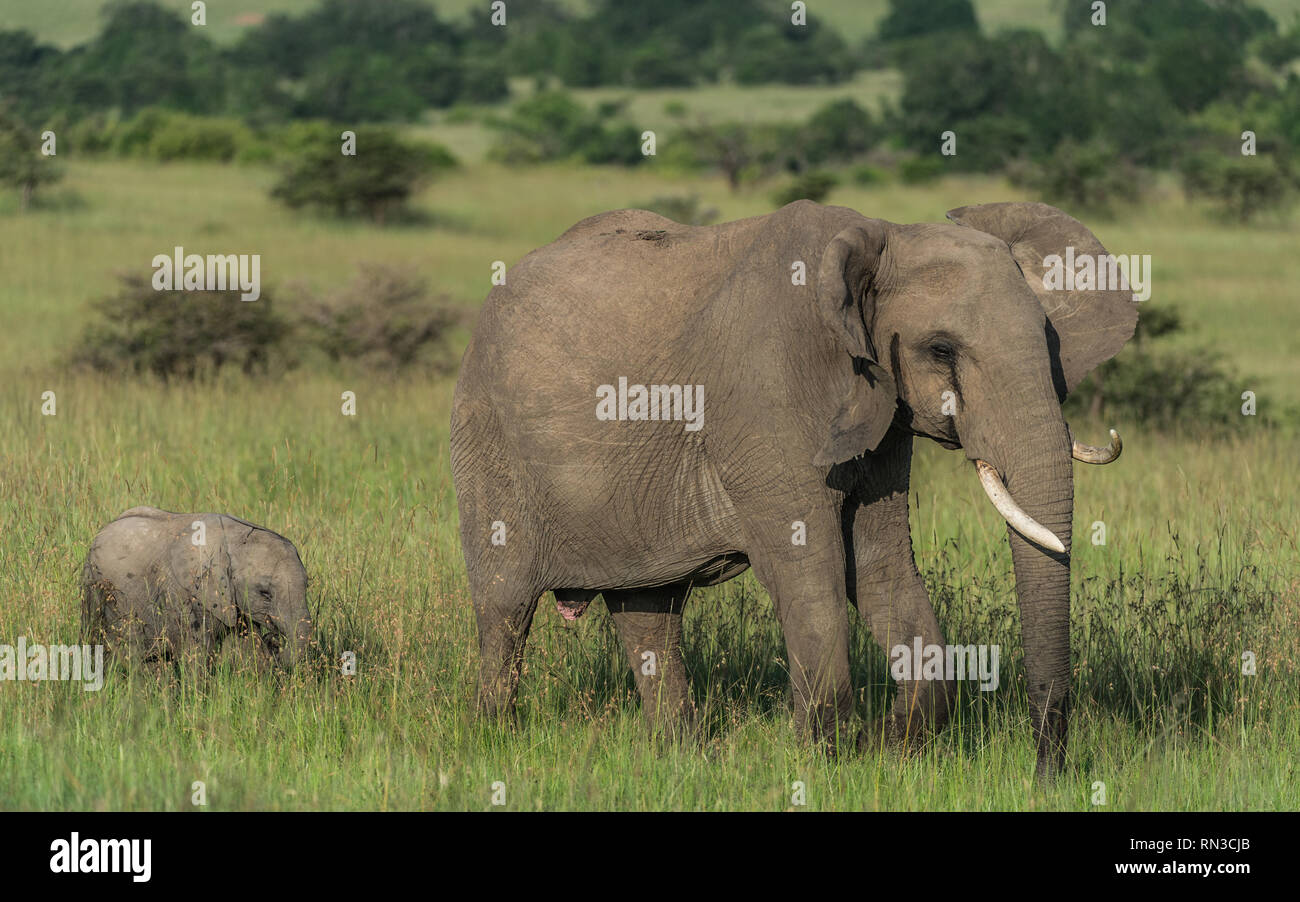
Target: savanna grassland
(1200, 562)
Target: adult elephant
(812, 389)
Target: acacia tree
(379, 178)
(22, 165)
(730, 147)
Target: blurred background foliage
(1087, 116)
(1159, 84)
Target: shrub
(810, 186)
(89, 135)
(385, 318)
(377, 181)
(184, 335)
(165, 135)
(1280, 49)
(552, 125)
(683, 208)
(866, 174)
(920, 170)
(1240, 187)
(22, 166)
(840, 130)
(1087, 177)
(1162, 387)
(730, 147)
(913, 18)
(795, 55)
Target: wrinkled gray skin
(812, 395)
(149, 591)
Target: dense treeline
(1157, 84)
(378, 60)
(368, 60)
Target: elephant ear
(202, 573)
(1085, 326)
(847, 307)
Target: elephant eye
(942, 351)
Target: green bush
(840, 130)
(1082, 177)
(809, 186)
(867, 174)
(914, 18)
(186, 137)
(22, 165)
(1161, 387)
(1241, 188)
(1280, 49)
(730, 147)
(797, 56)
(552, 125)
(182, 335)
(163, 135)
(921, 170)
(384, 319)
(683, 208)
(376, 182)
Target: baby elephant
(157, 584)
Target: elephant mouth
(571, 610)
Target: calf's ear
(846, 302)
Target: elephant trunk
(1033, 458)
(295, 641)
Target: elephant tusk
(1013, 513)
(1090, 455)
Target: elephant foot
(492, 709)
(893, 733)
(678, 732)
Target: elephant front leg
(649, 622)
(892, 598)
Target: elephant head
(270, 586)
(957, 338)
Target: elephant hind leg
(503, 610)
(649, 622)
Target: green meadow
(1199, 563)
